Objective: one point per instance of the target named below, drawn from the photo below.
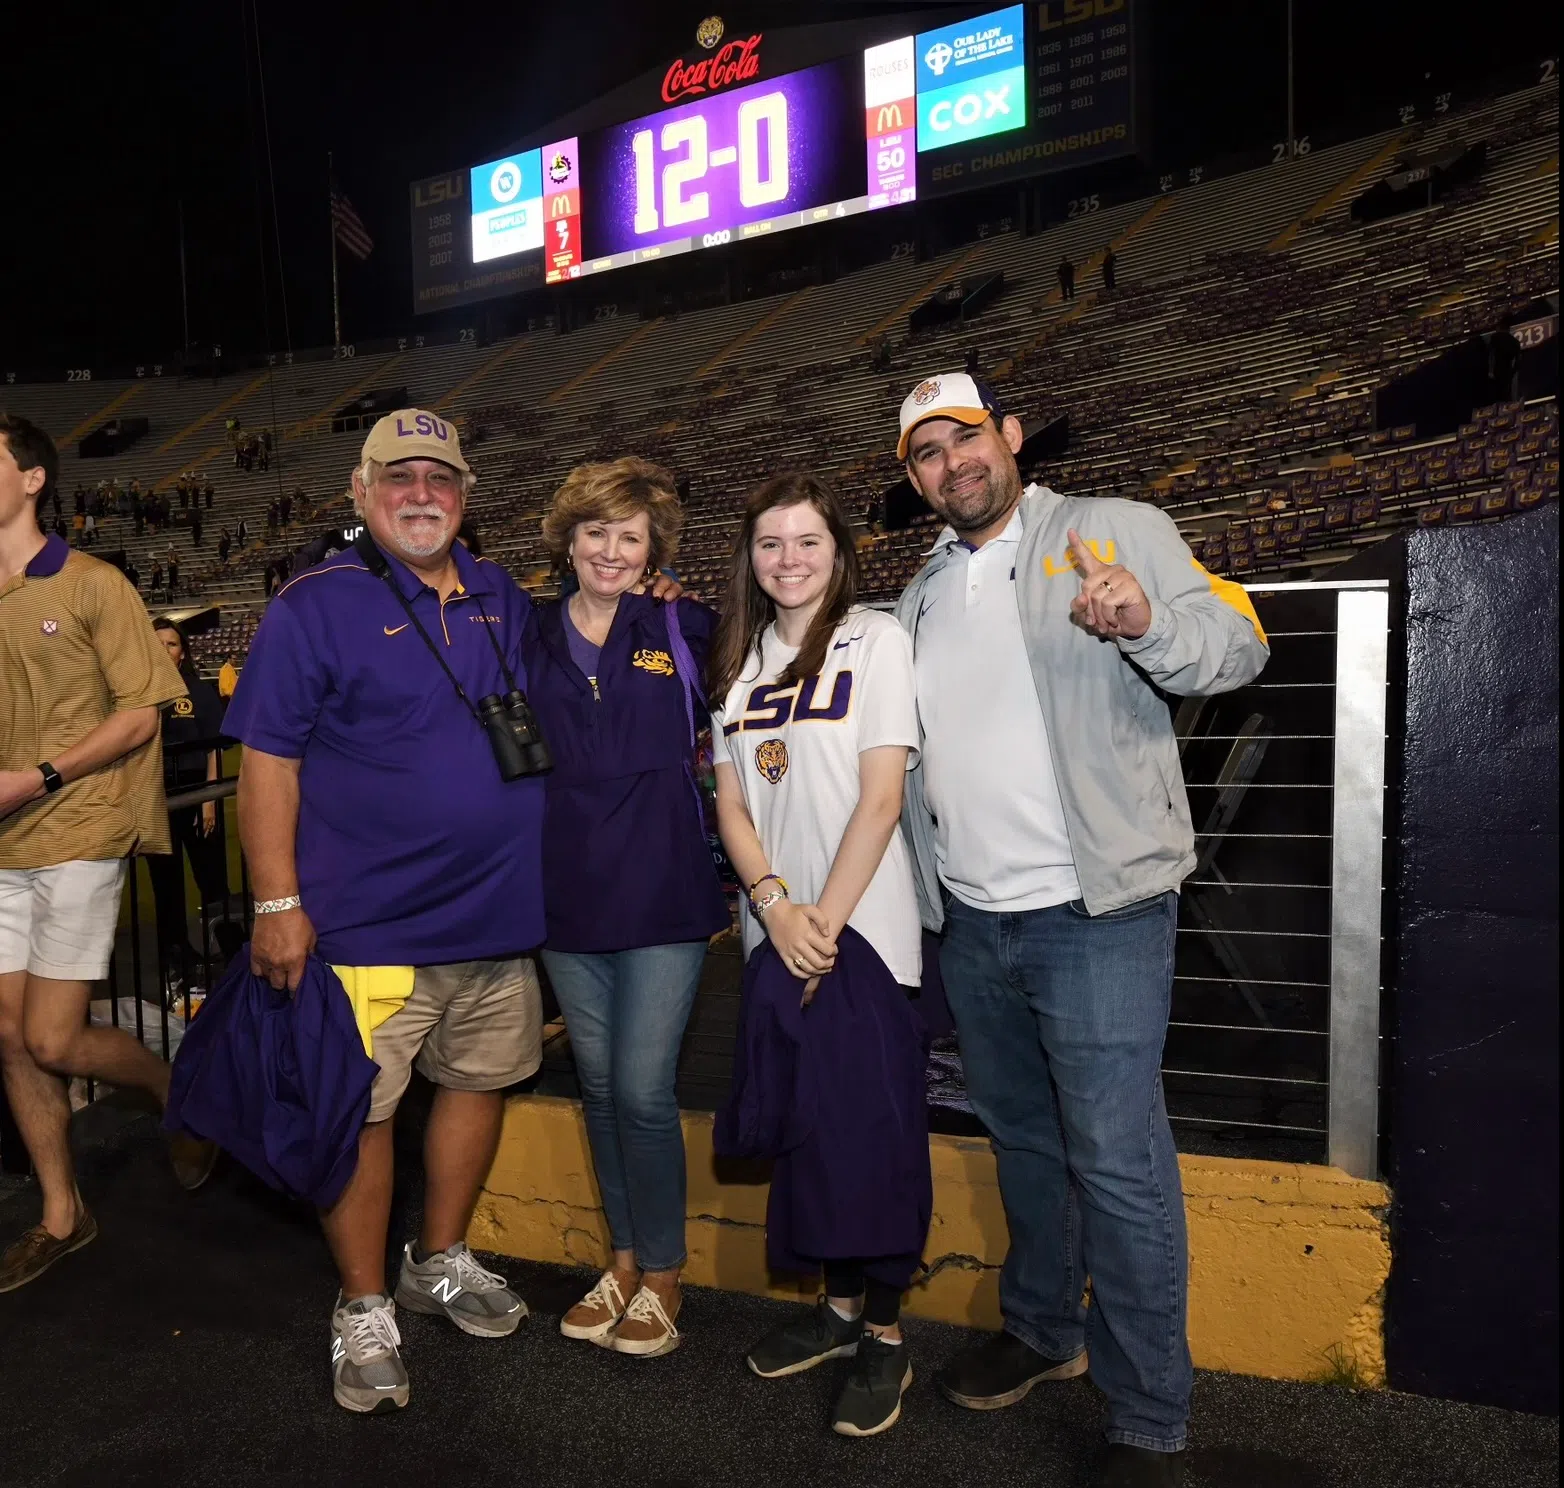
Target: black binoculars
(514, 735)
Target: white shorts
(59, 922)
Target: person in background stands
(1110, 270)
(155, 583)
(81, 680)
(195, 831)
(195, 526)
(242, 532)
(814, 729)
(616, 696)
(224, 544)
(173, 572)
(380, 833)
(1066, 273)
(1050, 831)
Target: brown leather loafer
(192, 1159)
(32, 1253)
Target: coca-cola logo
(737, 62)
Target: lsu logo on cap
(659, 663)
(926, 392)
(425, 426)
(771, 759)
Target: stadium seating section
(1230, 380)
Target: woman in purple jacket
(615, 681)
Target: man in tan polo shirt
(82, 677)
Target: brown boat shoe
(35, 1250)
(647, 1328)
(595, 1315)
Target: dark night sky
(111, 120)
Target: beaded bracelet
(749, 893)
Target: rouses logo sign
(972, 79)
(507, 203)
(737, 62)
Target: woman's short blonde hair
(615, 491)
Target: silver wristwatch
(276, 906)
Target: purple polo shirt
(411, 850)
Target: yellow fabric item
(227, 680)
(1232, 594)
(376, 992)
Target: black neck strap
(375, 561)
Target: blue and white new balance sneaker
(452, 1284)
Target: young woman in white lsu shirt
(816, 728)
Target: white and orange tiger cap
(952, 395)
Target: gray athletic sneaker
(452, 1284)
(367, 1374)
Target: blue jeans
(625, 1012)
(1061, 1018)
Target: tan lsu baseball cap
(413, 434)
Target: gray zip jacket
(1114, 751)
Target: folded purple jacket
(279, 1082)
(835, 1094)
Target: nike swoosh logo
(398, 631)
(926, 608)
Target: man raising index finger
(1111, 602)
(1050, 832)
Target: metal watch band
(52, 779)
(276, 906)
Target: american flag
(349, 227)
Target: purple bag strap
(684, 665)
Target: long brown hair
(748, 609)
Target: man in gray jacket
(1050, 832)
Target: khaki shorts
(470, 1025)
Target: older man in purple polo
(383, 832)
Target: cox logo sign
(969, 109)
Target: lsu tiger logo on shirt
(771, 759)
(659, 663)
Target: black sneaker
(870, 1401)
(805, 1342)
(1000, 1370)
(1136, 1467)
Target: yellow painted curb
(1288, 1261)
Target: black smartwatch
(52, 779)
